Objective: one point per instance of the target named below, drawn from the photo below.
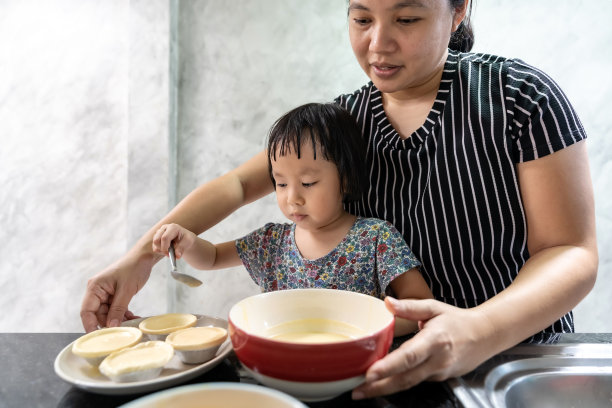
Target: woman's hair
(463, 38)
(333, 134)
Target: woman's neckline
(386, 129)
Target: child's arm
(199, 253)
(409, 285)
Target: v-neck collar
(386, 129)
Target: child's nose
(295, 197)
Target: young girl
(315, 162)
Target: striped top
(451, 188)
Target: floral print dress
(372, 254)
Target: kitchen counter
(27, 379)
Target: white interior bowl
(215, 395)
(263, 329)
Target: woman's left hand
(452, 341)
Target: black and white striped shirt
(451, 188)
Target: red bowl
(363, 322)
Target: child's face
(307, 190)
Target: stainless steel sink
(542, 376)
(551, 382)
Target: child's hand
(167, 233)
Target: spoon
(181, 277)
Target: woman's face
(401, 44)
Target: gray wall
(85, 161)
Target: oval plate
(78, 372)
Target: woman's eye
(361, 21)
(407, 21)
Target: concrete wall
(83, 152)
(91, 155)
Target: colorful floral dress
(372, 254)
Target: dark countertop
(27, 379)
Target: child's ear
(344, 191)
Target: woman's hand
(167, 233)
(452, 342)
(108, 294)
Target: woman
(479, 161)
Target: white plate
(78, 372)
(217, 394)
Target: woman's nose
(381, 39)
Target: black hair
(463, 38)
(332, 131)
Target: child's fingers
(171, 232)
(181, 245)
(156, 241)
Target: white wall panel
(84, 118)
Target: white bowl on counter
(215, 395)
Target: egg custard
(314, 331)
(196, 345)
(158, 327)
(95, 346)
(141, 362)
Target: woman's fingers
(401, 369)
(452, 342)
(407, 357)
(414, 309)
(129, 316)
(124, 291)
(94, 306)
(102, 315)
(429, 355)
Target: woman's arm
(109, 292)
(558, 201)
(213, 201)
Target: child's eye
(309, 184)
(281, 185)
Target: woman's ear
(459, 14)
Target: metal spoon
(181, 277)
